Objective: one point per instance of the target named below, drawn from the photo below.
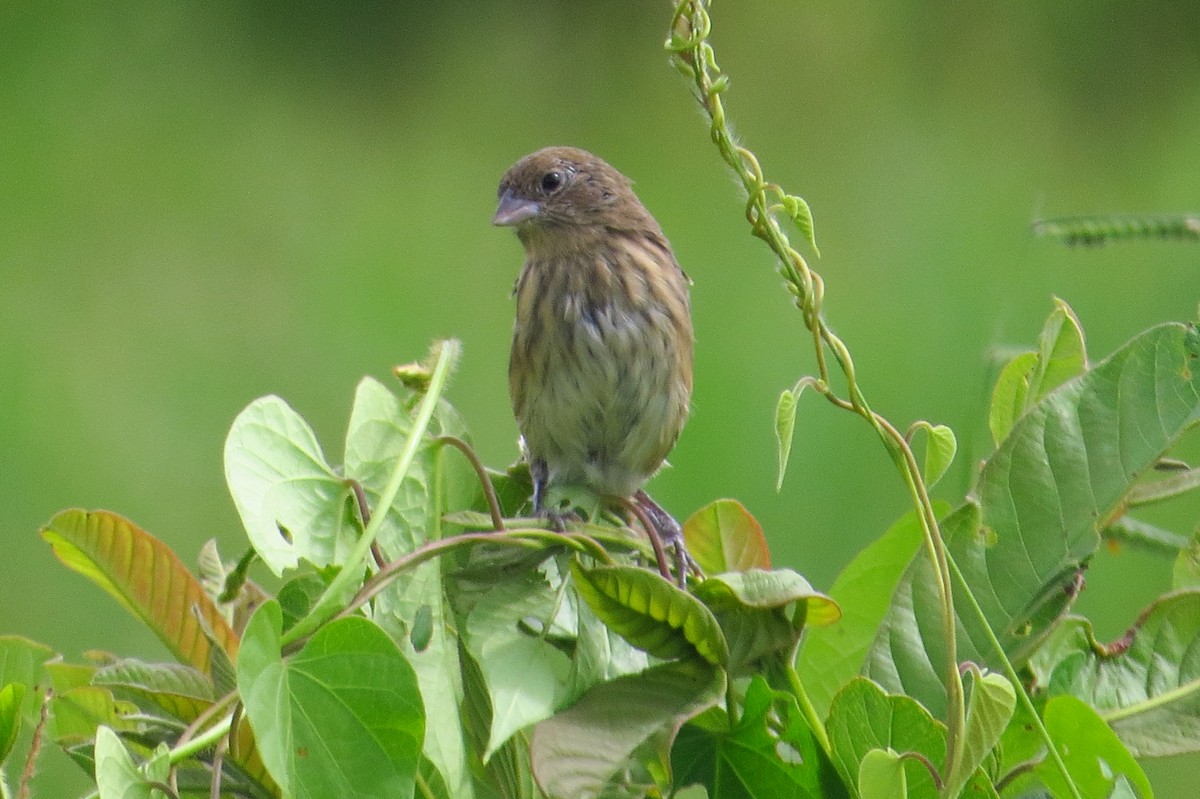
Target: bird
(600, 371)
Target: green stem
(326, 605)
(203, 741)
(530, 539)
(807, 709)
(935, 546)
(1011, 672)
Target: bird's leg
(539, 474)
(541, 477)
(669, 534)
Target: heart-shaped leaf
(863, 718)
(342, 717)
(291, 501)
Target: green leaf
(1186, 572)
(1020, 542)
(989, 710)
(146, 578)
(756, 758)
(342, 717)
(78, 712)
(298, 595)
(1068, 462)
(1092, 753)
(1146, 685)
(863, 717)
(723, 536)
(756, 589)
(763, 612)
(881, 776)
(1021, 745)
(785, 425)
(23, 662)
(180, 691)
(170, 691)
(797, 208)
(785, 428)
(118, 777)
(1061, 353)
(290, 500)
(508, 769)
(939, 451)
(651, 613)
(1030, 376)
(526, 675)
(598, 652)
(617, 726)
(831, 656)
(1009, 395)
(11, 697)
(437, 667)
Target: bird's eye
(552, 181)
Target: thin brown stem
(364, 514)
(1023, 767)
(530, 539)
(218, 763)
(928, 764)
(35, 747)
(489, 491)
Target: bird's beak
(514, 210)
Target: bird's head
(566, 191)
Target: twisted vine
(695, 58)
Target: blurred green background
(201, 203)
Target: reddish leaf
(723, 537)
(146, 577)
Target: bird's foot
(557, 518)
(665, 534)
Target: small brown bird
(601, 368)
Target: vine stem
(530, 539)
(203, 740)
(696, 59)
(485, 482)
